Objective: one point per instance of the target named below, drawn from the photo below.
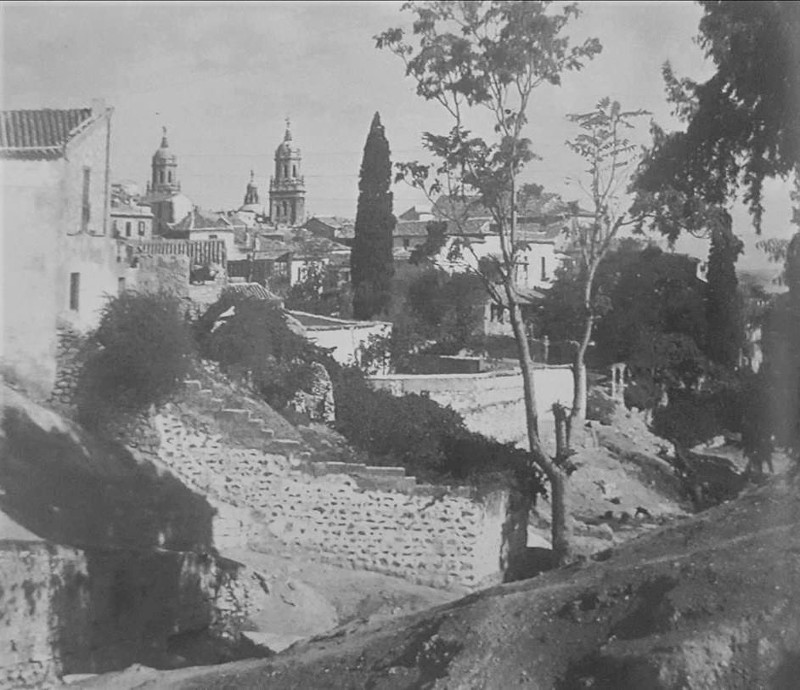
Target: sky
(223, 77)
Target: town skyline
(224, 78)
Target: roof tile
(39, 134)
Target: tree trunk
(579, 364)
(578, 414)
(561, 532)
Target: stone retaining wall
(429, 535)
(491, 403)
(71, 351)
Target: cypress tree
(371, 266)
(723, 302)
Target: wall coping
(453, 377)
(334, 322)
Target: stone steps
(250, 430)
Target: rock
(271, 641)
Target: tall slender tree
(371, 264)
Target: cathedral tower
(251, 195)
(165, 170)
(287, 190)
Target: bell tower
(165, 170)
(251, 195)
(287, 191)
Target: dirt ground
(711, 602)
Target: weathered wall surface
(44, 244)
(491, 403)
(29, 299)
(432, 536)
(346, 339)
(168, 272)
(69, 611)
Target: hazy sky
(222, 78)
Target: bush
(251, 340)
(429, 440)
(142, 351)
(694, 417)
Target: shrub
(142, 351)
(429, 440)
(251, 339)
(693, 417)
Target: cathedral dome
(286, 149)
(163, 153)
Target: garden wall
(491, 403)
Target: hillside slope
(712, 602)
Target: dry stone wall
(429, 535)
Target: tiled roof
(131, 210)
(198, 220)
(411, 228)
(40, 134)
(253, 290)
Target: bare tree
(611, 158)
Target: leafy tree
(448, 307)
(144, 350)
(724, 303)
(317, 293)
(490, 57)
(435, 240)
(647, 291)
(371, 260)
(649, 311)
(610, 155)
(743, 123)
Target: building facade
(131, 222)
(60, 260)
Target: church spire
(251, 195)
(288, 135)
(164, 143)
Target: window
(169, 176)
(86, 209)
(406, 242)
(544, 268)
(115, 228)
(141, 228)
(161, 176)
(496, 313)
(294, 171)
(120, 285)
(212, 237)
(127, 228)
(74, 291)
